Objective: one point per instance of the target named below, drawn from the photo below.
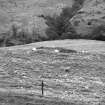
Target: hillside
(71, 76)
(24, 13)
(91, 46)
(91, 15)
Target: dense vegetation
(59, 27)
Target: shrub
(69, 33)
(98, 33)
(13, 37)
(2, 37)
(77, 5)
(60, 26)
(6, 37)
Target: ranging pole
(42, 87)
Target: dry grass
(69, 75)
(91, 46)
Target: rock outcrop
(91, 15)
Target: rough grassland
(71, 76)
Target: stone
(34, 49)
(57, 51)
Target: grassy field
(73, 76)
